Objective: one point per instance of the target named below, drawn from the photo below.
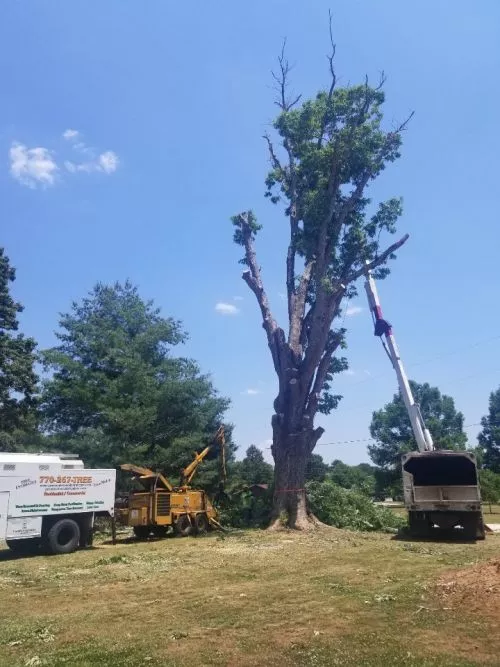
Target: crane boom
(383, 328)
(219, 441)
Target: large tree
(18, 381)
(489, 437)
(391, 428)
(117, 394)
(324, 154)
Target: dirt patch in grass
(474, 590)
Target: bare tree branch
(285, 103)
(381, 259)
(297, 315)
(272, 155)
(326, 307)
(321, 373)
(404, 124)
(253, 279)
(382, 81)
(330, 58)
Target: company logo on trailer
(25, 482)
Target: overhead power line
(349, 442)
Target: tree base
(305, 523)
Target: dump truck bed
(441, 491)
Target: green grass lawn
(247, 598)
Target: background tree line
(114, 389)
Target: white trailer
(51, 500)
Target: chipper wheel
(142, 532)
(183, 526)
(201, 524)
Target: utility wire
(348, 442)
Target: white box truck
(51, 500)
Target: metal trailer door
(4, 504)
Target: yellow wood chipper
(160, 506)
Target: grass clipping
(348, 508)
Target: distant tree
(360, 477)
(253, 469)
(316, 469)
(118, 394)
(489, 437)
(391, 428)
(18, 380)
(328, 150)
(490, 486)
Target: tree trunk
(291, 452)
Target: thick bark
(291, 453)
(301, 364)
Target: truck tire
(63, 537)
(201, 524)
(142, 532)
(418, 524)
(27, 546)
(183, 526)
(473, 526)
(160, 531)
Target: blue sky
(168, 102)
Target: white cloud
(226, 308)
(349, 371)
(38, 166)
(32, 166)
(251, 392)
(367, 373)
(353, 310)
(282, 296)
(106, 162)
(237, 298)
(71, 135)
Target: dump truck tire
(63, 537)
(26, 546)
(419, 526)
(473, 526)
(201, 524)
(141, 532)
(183, 526)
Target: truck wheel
(473, 527)
(183, 526)
(63, 537)
(29, 545)
(419, 525)
(142, 532)
(201, 524)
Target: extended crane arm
(383, 328)
(189, 471)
